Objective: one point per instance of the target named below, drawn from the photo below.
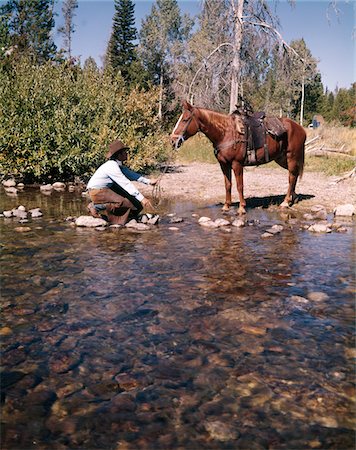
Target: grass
(199, 149)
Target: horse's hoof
(241, 211)
(225, 208)
(284, 205)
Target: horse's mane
(220, 120)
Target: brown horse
(227, 134)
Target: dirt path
(204, 182)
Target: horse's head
(186, 126)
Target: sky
(330, 40)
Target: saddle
(256, 128)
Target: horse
(228, 136)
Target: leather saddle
(256, 128)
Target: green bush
(57, 121)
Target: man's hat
(115, 147)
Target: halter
(180, 137)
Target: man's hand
(146, 204)
(154, 181)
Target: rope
(156, 189)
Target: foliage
(121, 52)
(26, 26)
(68, 28)
(58, 120)
(162, 34)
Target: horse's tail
(302, 156)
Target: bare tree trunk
(160, 101)
(302, 102)
(236, 61)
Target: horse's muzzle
(177, 141)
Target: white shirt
(114, 172)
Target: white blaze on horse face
(176, 127)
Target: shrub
(57, 121)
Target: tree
(161, 33)
(121, 52)
(68, 28)
(29, 24)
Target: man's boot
(93, 212)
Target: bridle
(180, 137)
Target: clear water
(189, 339)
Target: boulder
(89, 221)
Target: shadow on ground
(265, 202)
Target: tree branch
(202, 66)
(273, 30)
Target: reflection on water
(194, 339)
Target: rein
(180, 137)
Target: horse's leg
(238, 171)
(226, 170)
(293, 170)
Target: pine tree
(30, 23)
(162, 33)
(68, 28)
(121, 52)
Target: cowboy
(111, 191)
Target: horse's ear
(187, 105)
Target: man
(111, 190)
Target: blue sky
(331, 40)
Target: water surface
(188, 339)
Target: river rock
(22, 229)
(317, 296)
(137, 226)
(58, 186)
(89, 221)
(319, 228)
(20, 186)
(239, 223)
(9, 183)
(35, 212)
(207, 222)
(7, 214)
(176, 220)
(11, 190)
(275, 229)
(221, 431)
(344, 210)
(204, 219)
(19, 213)
(222, 222)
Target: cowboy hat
(114, 147)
